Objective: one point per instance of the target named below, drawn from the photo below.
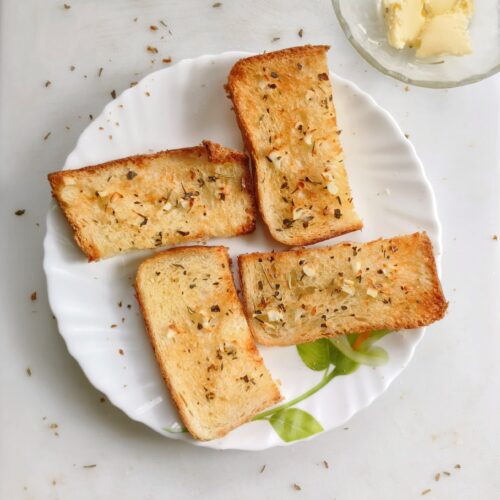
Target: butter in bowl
(430, 43)
(432, 27)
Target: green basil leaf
(293, 424)
(315, 355)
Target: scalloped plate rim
(73, 349)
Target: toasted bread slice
(284, 106)
(201, 339)
(303, 295)
(159, 199)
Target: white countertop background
(442, 411)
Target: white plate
(187, 103)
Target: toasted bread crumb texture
(202, 341)
(300, 296)
(285, 110)
(155, 200)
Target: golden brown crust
(250, 347)
(214, 153)
(238, 91)
(422, 287)
(220, 154)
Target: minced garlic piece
(309, 271)
(274, 315)
(332, 188)
(348, 287)
(276, 158)
(356, 266)
(308, 139)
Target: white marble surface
(444, 409)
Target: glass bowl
(363, 24)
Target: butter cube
(445, 34)
(404, 19)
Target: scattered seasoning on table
(91, 466)
(99, 73)
(53, 425)
(121, 352)
(458, 466)
(20, 212)
(216, 4)
(301, 32)
(67, 6)
(110, 137)
(407, 136)
(28, 371)
(153, 27)
(120, 303)
(407, 89)
(102, 399)
(275, 39)
(446, 473)
(113, 94)
(296, 487)
(33, 296)
(166, 60)
(263, 468)
(428, 490)
(114, 325)
(495, 237)
(91, 117)
(325, 464)
(46, 136)
(152, 50)
(72, 68)
(135, 19)
(47, 83)
(437, 477)
(147, 94)
(133, 84)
